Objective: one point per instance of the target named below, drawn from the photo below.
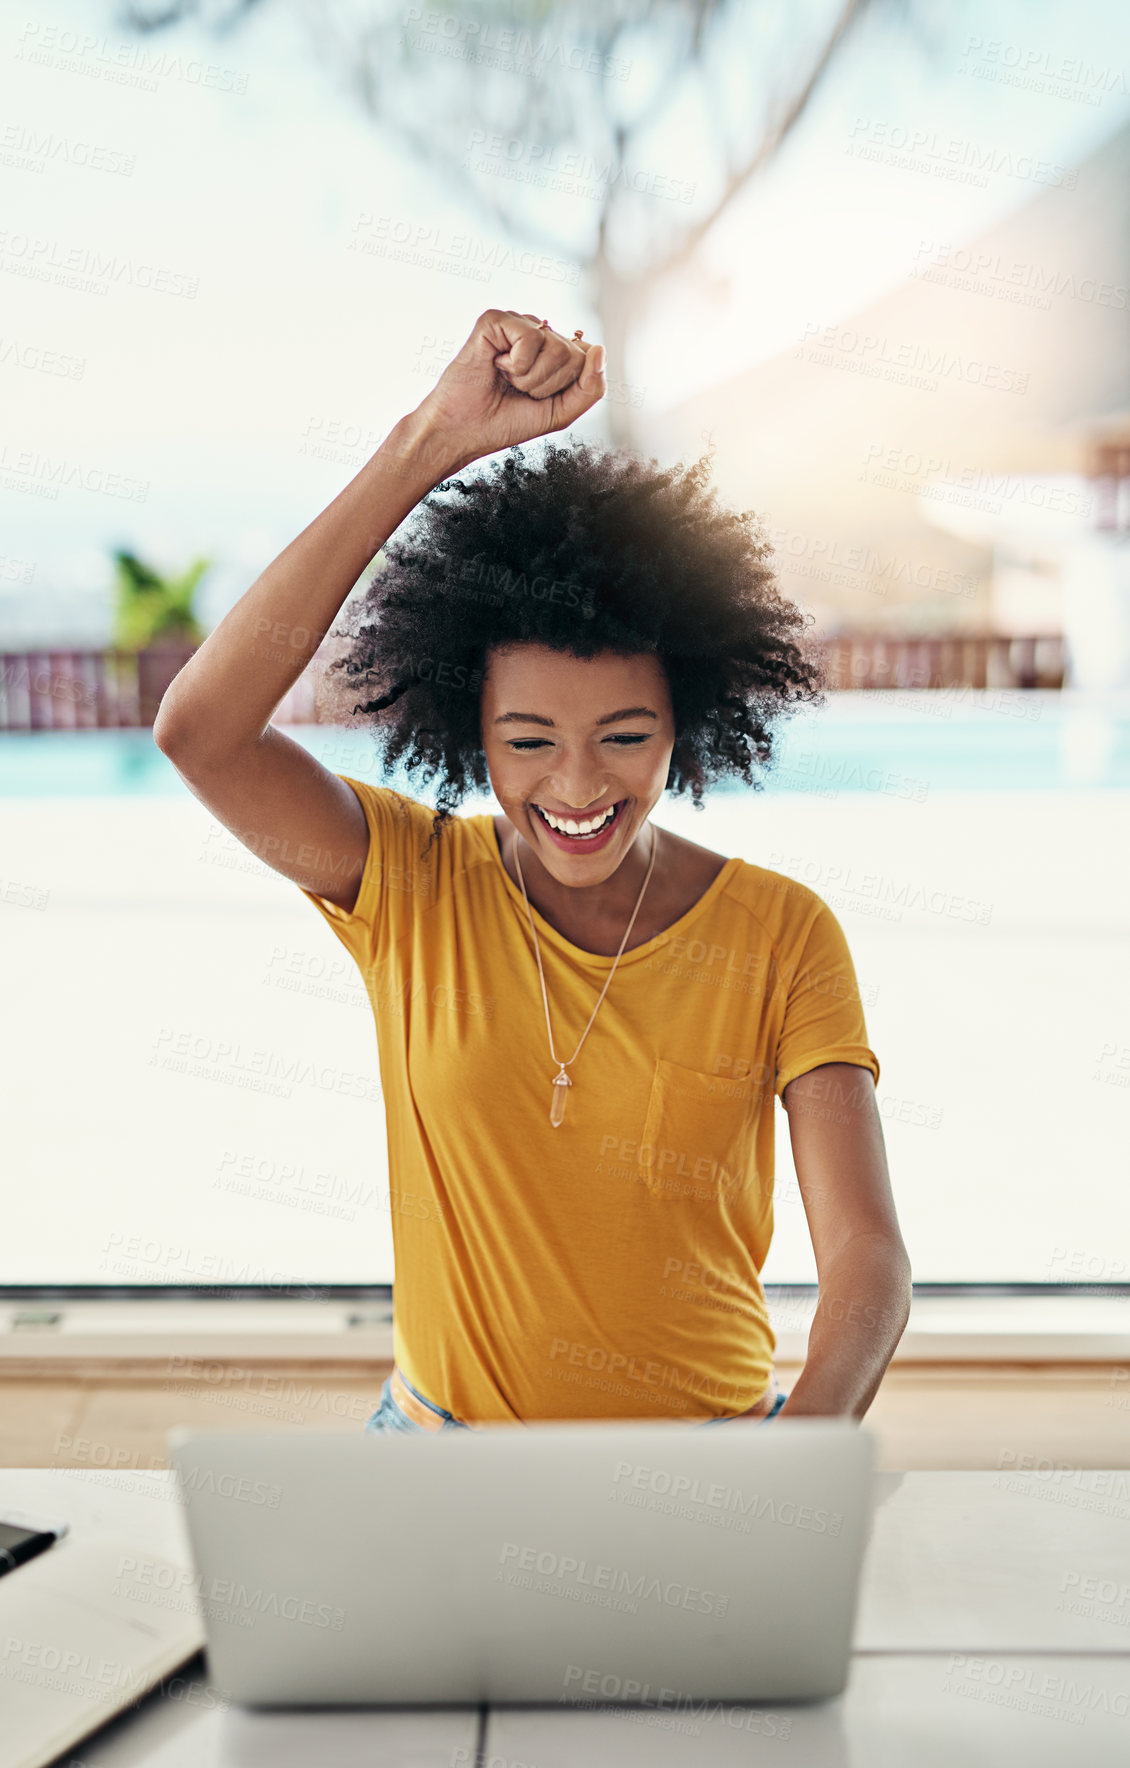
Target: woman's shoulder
(412, 815)
(783, 909)
(785, 905)
(409, 845)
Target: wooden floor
(115, 1415)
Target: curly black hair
(586, 550)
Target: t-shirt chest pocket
(698, 1134)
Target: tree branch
(770, 144)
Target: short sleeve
(392, 875)
(824, 1019)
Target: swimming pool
(902, 745)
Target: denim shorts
(390, 1416)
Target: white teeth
(570, 827)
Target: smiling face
(585, 742)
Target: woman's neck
(592, 916)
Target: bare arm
(213, 723)
(228, 689)
(511, 381)
(863, 1266)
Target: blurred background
(872, 256)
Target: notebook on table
(87, 1629)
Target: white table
(990, 1620)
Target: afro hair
(585, 550)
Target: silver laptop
(574, 1564)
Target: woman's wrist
(417, 448)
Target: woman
(582, 1019)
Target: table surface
(994, 1614)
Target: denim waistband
(448, 1417)
(390, 1416)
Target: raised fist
(514, 379)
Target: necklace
(561, 1080)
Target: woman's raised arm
(512, 380)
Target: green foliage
(149, 606)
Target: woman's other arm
(862, 1264)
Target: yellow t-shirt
(608, 1267)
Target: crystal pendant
(557, 1109)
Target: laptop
(582, 1564)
